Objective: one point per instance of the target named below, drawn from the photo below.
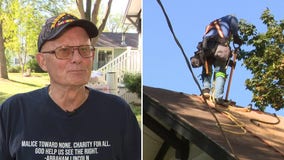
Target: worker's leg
(222, 54)
(206, 80)
(219, 85)
(220, 78)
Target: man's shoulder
(107, 99)
(31, 94)
(105, 96)
(26, 97)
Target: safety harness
(214, 25)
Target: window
(104, 56)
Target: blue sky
(163, 63)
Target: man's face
(68, 72)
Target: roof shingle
(262, 141)
(109, 39)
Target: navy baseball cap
(54, 26)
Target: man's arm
(132, 139)
(234, 27)
(4, 150)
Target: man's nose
(76, 56)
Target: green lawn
(19, 84)
(136, 109)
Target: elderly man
(66, 119)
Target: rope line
(195, 79)
(254, 121)
(237, 123)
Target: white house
(119, 53)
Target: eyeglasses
(66, 52)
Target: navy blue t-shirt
(33, 127)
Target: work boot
(206, 92)
(222, 102)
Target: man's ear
(41, 60)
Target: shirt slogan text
(66, 150)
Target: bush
(14, 69)
(33, 65)
(133, 82)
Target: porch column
(112, 82)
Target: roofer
(214, 50)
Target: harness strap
(217, 26)
(206, 67)
(214, 24)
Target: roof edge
(154, 109)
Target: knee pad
(220, 74)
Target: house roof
(132, 14)
(188, 115)
(109, 39)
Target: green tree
(265, 61)
(49, 8)
(132, 82)
(3, 65)
(21, 31)
(93, 15)
(33, 65)
(22, 21)
(114, 24)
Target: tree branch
(81, 8)
(102, 26)
(96, 11)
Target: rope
(195, 79)
(254, 121)
(229, 115)
(237, 123)
(212, 95)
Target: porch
(109, 78)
